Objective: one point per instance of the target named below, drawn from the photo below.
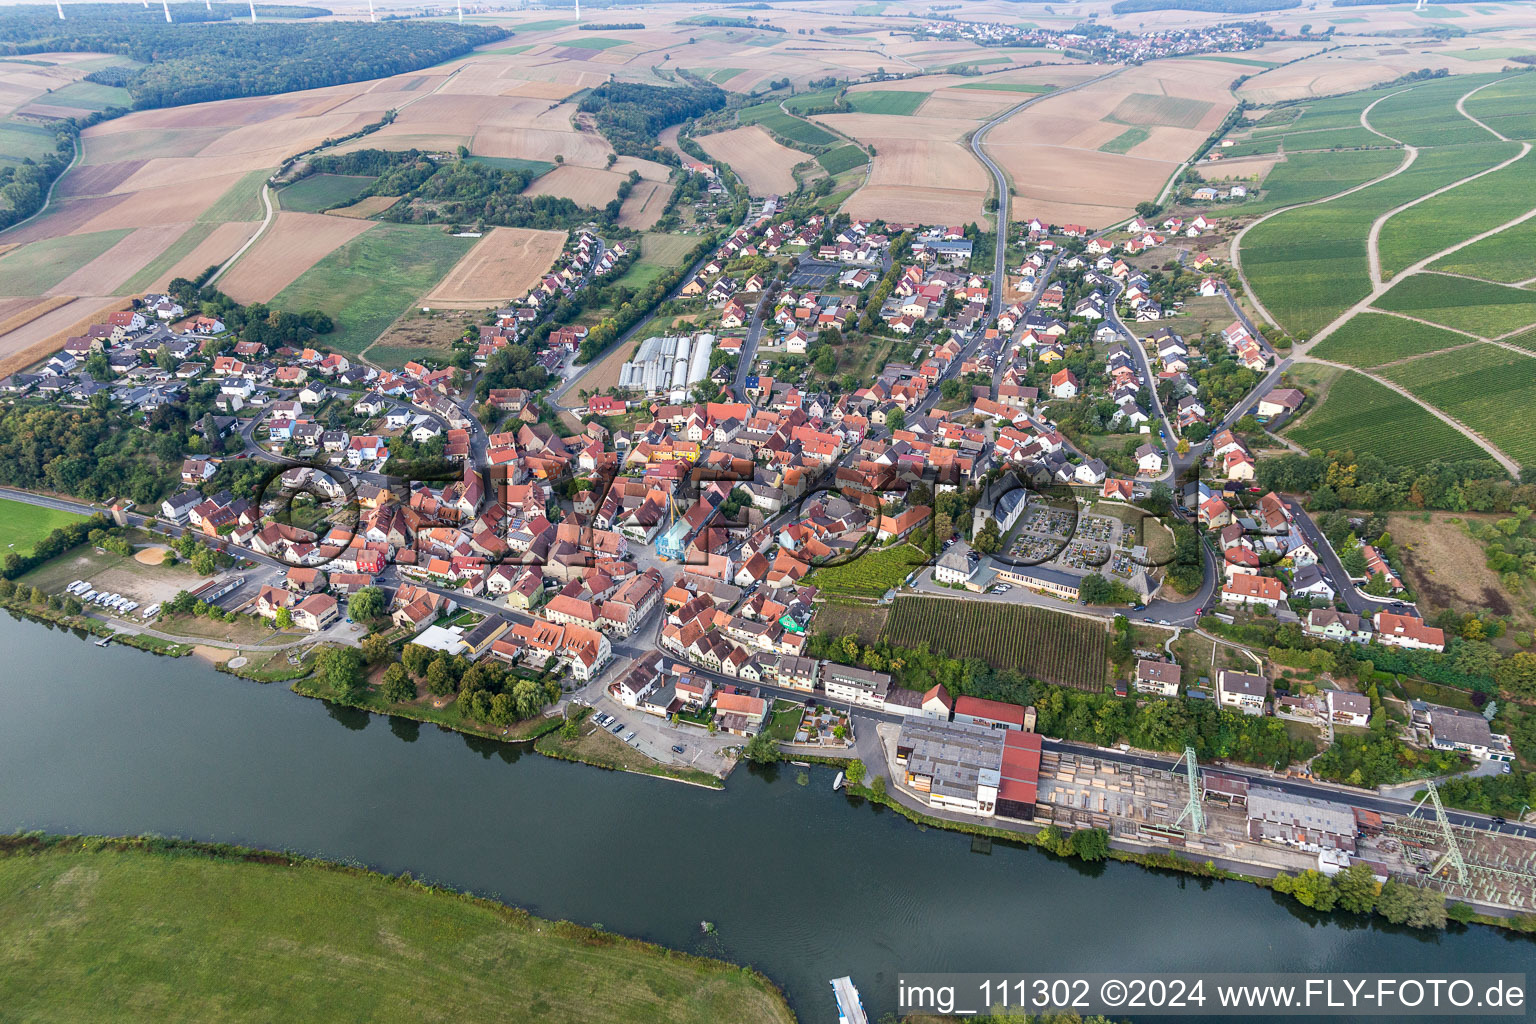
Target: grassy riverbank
(595, 746)
(157, 930)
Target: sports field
(1361, 415)
(118, 930)
(22, 525)
(369, 281)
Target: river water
(801, 882)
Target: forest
(629, 115)
(203, 55)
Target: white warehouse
(668, 366)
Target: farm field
(1126, 141)
(1505, 257)
(836, 161)
(1508, 107)
(1370, 339)
(293, 244)
(501, 267)
(254, 951)
(757, 158)
(366, 207)
(1426, 114)
(645, 205)
(1361, 415)
(1304, 177)
(1455, 216)
(1483, 308)
(658, 253)
(783, 125)
(370, 280)
(36, 268)
(1481, 386)
(319, 192)
(22, 525)
(1054, 647)
(1309, 265)
(588, 186)
(886, 101)
(1025, 87)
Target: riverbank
(84, 624)
(149, 928)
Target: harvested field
(365, 207)
(418, 335)
(211, 249)
(502, 266)
(644, 206)
(294, 243)
(588, 186)
(36, 268)
(166, 204)
(34, 341)
(96, 179)
(756, 157)
(108, 271)
(19, 312)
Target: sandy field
(294, 243)
(502, 266)
(169, 203)
(1247, 168)
(931, 182)
(152, 555)
(108, 271)
(589, 186)
(868, 127)
(40, 338)
(756, 157)
(222, 243)
(1357, 68)
(645, 205)
(365, 207)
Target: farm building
(668, 365)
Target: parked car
(678, 748)
(618, 727)
(630, 736)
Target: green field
(1426, 114)
(842, 158)
(22, 140)
(1504, 257)
(22, 525)
(1508, 107)
(319, 192)
(1309, 265)
(154, 930)
(887, 101)
(241, 202)
(1370, 339)
(1481, 386)
(658, 253)
(174, 253)
(87, 96)
(1527, 340)
(38, 266)
(1230, 58)
(1123, 142)
(1487, 53)
(779, 123)
(1141, 108)
(870, 574)
(509, 51)
(369, 281)
(600, 43)
(547, 25)
(1008, 87)
(1361, 415)
(1305, 177)
(725, 75)
(1480, 307)
(809, 100)
(1055, 647)
(1455, 216)
(513, 163)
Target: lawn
(1504, 257)
(38, 266)
(1127, 139)
(368, 282)
(842, 158)
(22, 525)
(887, 101)
(1371, 339)
(1008, 86)
(598, 746)
(1455, 216)
(786, 719)
(1480, 307)
(319, 192)
(1480, 386)
(1361, 415)
(659, 252)
(155, 930)
(869, 574)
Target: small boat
(837, 783)
(105, 640)
(801, 764)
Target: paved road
(1360, 603)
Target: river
(801, 882)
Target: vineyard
(1481, 386)
(1370, 339)
(1485, 309)
(1361, 415)
(779, 123)
(870, 573)
(1504, 257)
(1455, 216)
(1050, 646)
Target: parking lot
(814, 274)
(657, 738)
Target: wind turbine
(253, 12)
(208, 4)
(578, 10)
(371, 15)
(167, 5)
(461, 11)
(60, 5)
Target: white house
(1242, 691)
